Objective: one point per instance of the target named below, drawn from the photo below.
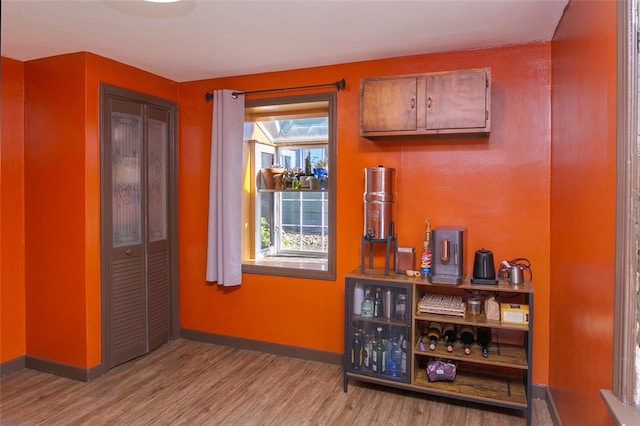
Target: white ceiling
(202, 39)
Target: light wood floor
(193, 383)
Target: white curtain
(224, 263)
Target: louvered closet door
(139, 271)
(157, 246)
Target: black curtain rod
(339, 85)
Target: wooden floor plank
(194, 383)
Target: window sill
(292, 190)
(623, 414)
(290, 262)
(289, 267)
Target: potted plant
(287, 178)
(272, 176)
(308, 172)
(320, 169)
(307, 165)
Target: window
(289, 196)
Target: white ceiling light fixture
(162, 1)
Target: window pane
(126, 146)
(157, 180)
(296, 130)
(267, 224)
(304, 223)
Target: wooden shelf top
(478, 387)
(511, 356)
(377, 274)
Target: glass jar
(401, 307)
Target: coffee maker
(447, 262)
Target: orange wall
(498, 187)
(62, 174)
(12, 271)
(583, 210)
(55, 208)
(100, 69)
(479, 183)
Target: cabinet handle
(429, 102)
(128, 252)
(413, 103)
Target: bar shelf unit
(502, 379)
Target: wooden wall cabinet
(455, 102)
(501, 379)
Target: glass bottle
(394, 358)
(434, 333)
(378, 306)
(466, 337)
(403, 363)
(379, 364)
(367, 305)
(356, 351)
(388, 303)
(358, 297)
(368, 347)
(427, 251)
(484, 339)
(449, 336)
(401, 307)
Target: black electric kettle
(484, 270)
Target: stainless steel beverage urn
(379, 202)
(447, 262)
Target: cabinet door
(388, 104)
(127, 295)
(378, 337)
(458, 101)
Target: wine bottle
(379, 363)
(484, 340)
(356, 351)
(434, 333)
(368, 347)
(466, 337)
(449, 336)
